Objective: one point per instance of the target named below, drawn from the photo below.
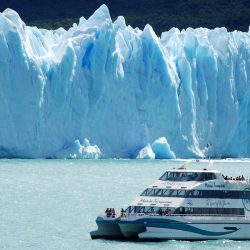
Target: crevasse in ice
(122, 89)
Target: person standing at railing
(113, 213)
(106, 212)
(122, 213)
(160, 212)
(167, 212)
(182, 211)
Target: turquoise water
(52, 204)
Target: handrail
(186, 215)
(246, 181)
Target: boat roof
(193, 170)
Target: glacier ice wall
(122, 89)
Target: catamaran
(184, 204)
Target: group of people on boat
(238, 178)
(110, 212)
(166, 212)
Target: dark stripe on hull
(190, 228)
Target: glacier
(105, 89)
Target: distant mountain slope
(161, 14)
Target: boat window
(173, 193)
(158, 192)
(166, 192)
(216, 194)
(148, 192)
(144, 193)
(190, 193)
(139, 209)
(150, 210)
(181, 193)
(187, 176)
(219, 211)
(132, 209)
(207, 176)
(196, 193)
(246, 195)
(197, 210)
(226, 194)
(187, 210)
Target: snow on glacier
(122, 89)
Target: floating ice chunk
(76, 150)
(162, 149)
(146, 153)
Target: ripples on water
(52, 204)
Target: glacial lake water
(53, 204)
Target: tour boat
(184, 204)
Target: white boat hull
(197, 232)
(173, 228)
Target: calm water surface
(52, 204)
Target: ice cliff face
(122, 89)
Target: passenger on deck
(167, 212)
(242, 178)
(152, 211)
(122, 213)
(113, 213)
(106, 212)
(182, 211)
(160, 212)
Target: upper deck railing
(246, 181)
